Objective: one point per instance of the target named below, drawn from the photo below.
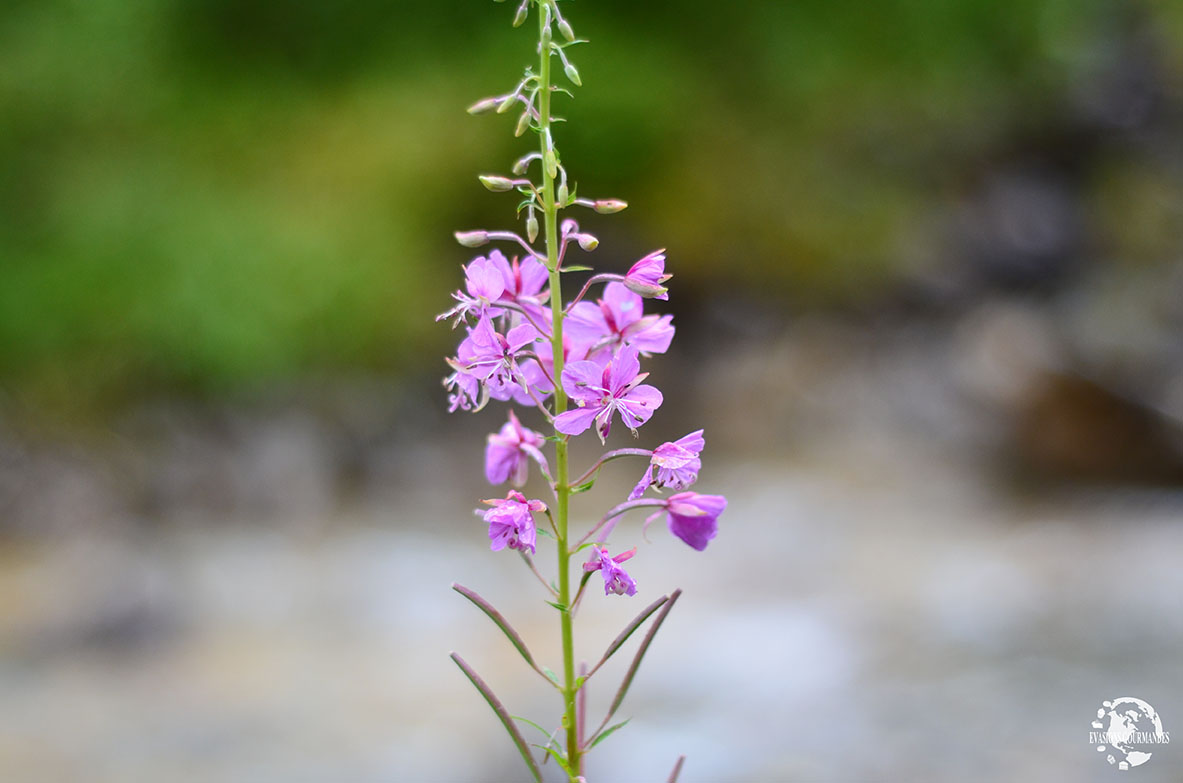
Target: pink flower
(484, 282)
(647, 275)
(692, 517)
(508, 453)
(677, 465)
(616, 579)
(511, 522)
(523, 282)
(618, 320)
(598, 392)
(490, 358)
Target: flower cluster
(507, 354)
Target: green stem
(562, 484)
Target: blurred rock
(1072, 427)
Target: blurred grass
(205, 195)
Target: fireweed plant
(578, 363)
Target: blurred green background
(202, 196)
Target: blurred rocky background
(929, 294)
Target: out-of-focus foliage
(207, 194)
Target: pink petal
(627, 307)
(623, 369)
(584, 381)
(652, 334)
(694, 442)
(534, 277)
(638, 405)
(576, 421)
(585, 323)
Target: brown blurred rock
(1072, 427)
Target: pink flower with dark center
(508, 453)
(647, 276)
(677, 465)
(511, 522)
(616, 579)
(598, 392)
(618, 319)
(491, 358)
(692, 517)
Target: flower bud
(520, 16)
(552, 164)
(483, 105)
(531, 227)
(646, 290)
(495, 183)
(587, 242)
(563, 194)
(521, 164)
(472, 238)
(572, 74)
(522, 126)
(568, 226)
(608, 206)
(566, 30)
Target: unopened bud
(483, 105)
(572, 74)
(521, 164)
(531, 227)
(646, 290)
(566, 30)
(522, 126)
(472, 238)
(568, 226)
(587, 242)
(608, 206)
(552, 165)
(495, 183)
(520, 16)
(505, 105)
(563, 195)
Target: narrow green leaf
(544, 532)
(584, 487)
(498, 620)
(603, 735)
(531, 723)
(577, 268)
(550, 675)
(629, 630)
(636, 664)
(559, 758)
(502, 715)
(560, 607)
(550, 735)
